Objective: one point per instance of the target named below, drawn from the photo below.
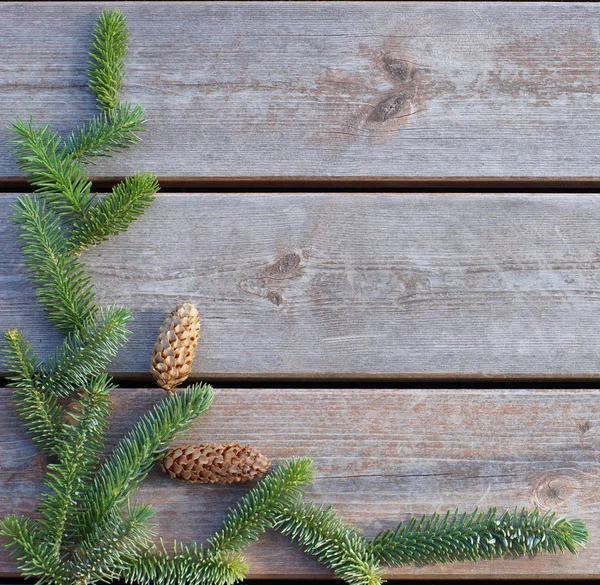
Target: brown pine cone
(175, 347)
(215, 463)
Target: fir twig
(86, 353)
(35, 557)
(134, 456)
(106, 133)
(39, 410)
(322, 533)
(454, 537)
(257, 510)
(191, 565)
(81, 447)
(58, 177)
(125, 203)
(108, 49)
(105, 555)
(63, 287)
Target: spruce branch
(105, 555)
(257, 510)
(134, 456)
(106, 133)
(86, 353)
(35, 557)
(40, 411)
(63, 287)
(322, 533)
(80, 449)
(125, 203)
(479, 535)
(107, 52)
(58, 177)
(190, 564)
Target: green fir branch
(106, 555)
(58, 177)
(35, 557)
(107, 54)
(257, 510)
(125, 203)
(86, 353)
(106, 133)
(40, 411)
(79, 454)
(321, 533)
(479, 535)
(134, 456)
(191, 565)
(63, 287)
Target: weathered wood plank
(382, 456)
(391, 89)
(364, 285)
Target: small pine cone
(215, 463)
(175, 347)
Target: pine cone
(175, 347)
(215, 463)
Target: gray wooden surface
(382, 456)
(331, 89)
(350, 285)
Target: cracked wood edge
(325, 286)
(382, 456)
(367, 90)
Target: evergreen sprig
(106, 133)
(35, 556)
(107, 54)
(190, 564)
(132, 459)
(64, 289)
(479, 535)
(322, 533)
(257, 510)
(86, 353)
(58, 177)
(126, 202)
(106, 554)
(40, 410)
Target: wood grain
(293, 285)
(421, 90)
(383, 456)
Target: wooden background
(387, 215)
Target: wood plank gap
(343, 185)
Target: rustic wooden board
(382, 456)
(295, 285)
(421, 90)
